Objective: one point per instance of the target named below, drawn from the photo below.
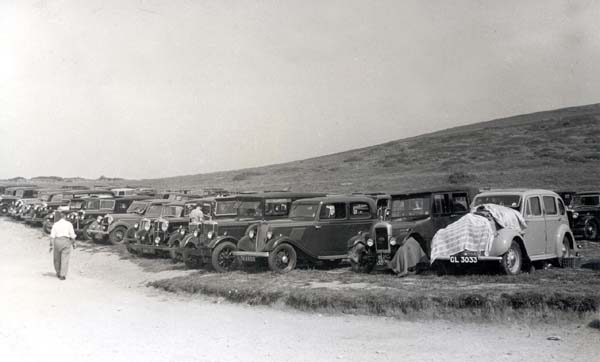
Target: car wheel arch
(300, 251)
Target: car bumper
(148, 249)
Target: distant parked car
(415, 214)
(317, 229)
(546, 237)
(118, 227)
(218, 237)
(586, 215)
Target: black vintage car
(586, 215)
(416, 214)
(218, 237)
(317, 229)
(158, 235)
(67, 201)
(95, 207)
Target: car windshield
(107, 204)
(153, 211)
(512, 201)
(75, 204)
(408, 207)
(226, 207)
(205, 207)
(137, 207)
(304, 211)
(91, 205)
(277, 207)
(250, 208)
(587, 200)
(170, 210)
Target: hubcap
(284, 259)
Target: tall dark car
(586, 215)
(95, 207)
(416, 214)
(154, 235)
(318, 229)
(218, 237)
(118, 227)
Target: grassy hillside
(557, 149)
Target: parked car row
(284, 229)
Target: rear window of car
(360, 210)
(534, 208)
(513, 201)
(550, 205)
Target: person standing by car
(62, 239)
(196, 215)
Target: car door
(553, 221)
(333, 229)
(441, 214)
(535, 233)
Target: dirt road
(103, 312)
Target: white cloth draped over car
(475, 232)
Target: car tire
(84, 233)
(117, 235)
(590, 230)
(222, 259)
(512, 260)
(283, 258)
(359, 261)
(3, 211)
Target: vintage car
(6, 202)
(154, 235)
(586, 215)
(67, 202)
(547, 235)
(95, 207)
(317, 229)
(415, 214)
(218, 237)
(118, 227)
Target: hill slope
(552, 149)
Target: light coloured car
(546, 237)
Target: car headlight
(164, 226)
(393, 241)
(136, 226)
(210, 234)
(99, 219)
(369, 242)
(196, 233)
(110, 219)
(182, 231)
(251, 234)
(269, 235)
(147, 226)
(575, 215)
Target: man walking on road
(62, 238)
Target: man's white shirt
(62, 228)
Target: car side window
(534, 208)
(460, 205)
(442, 204)
(561, 207)
(333, 211)
(360, 210)
(550, 205)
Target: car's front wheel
(283, 258)
(590, 231)
(512, 260)
(359, 259)
(84, 233)
(117, 235)
(191, 261)
(223, 259)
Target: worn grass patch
(542, 296)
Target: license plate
(380, 260)
(247, 258)
(464, 257)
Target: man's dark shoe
(62, 278)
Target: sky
(148, 89)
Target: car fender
(271, 245)
(213, 243)
(503, 240)
(190, 239)
(246, 244)
(563, 231)
(116, 224)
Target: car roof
(134, 197)
(176, 203)
(338, 198)
(518, 192)
(588, 193)
(272, 195)
(84, 192)
(438, 189)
